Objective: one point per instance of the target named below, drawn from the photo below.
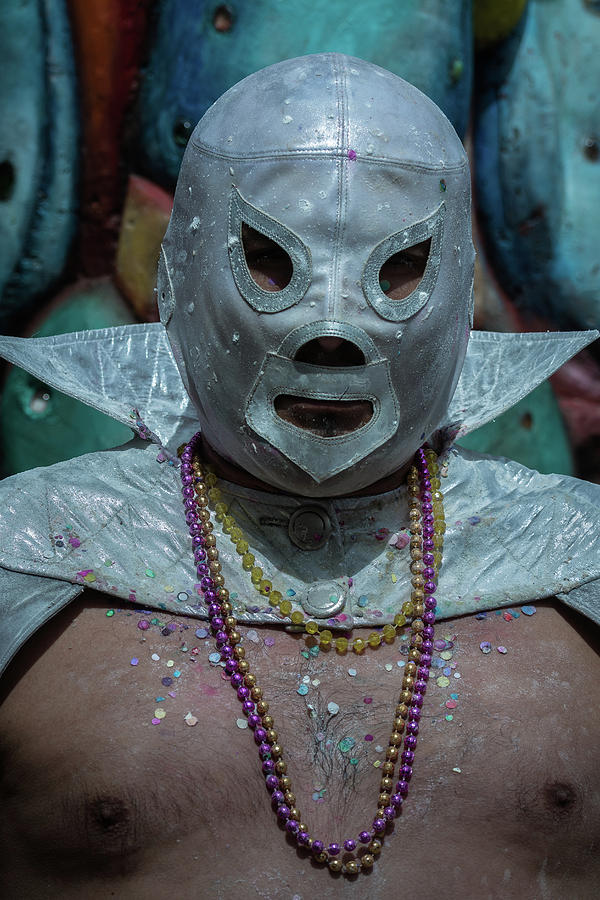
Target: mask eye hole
(402, 272)
(269, 265)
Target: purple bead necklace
(427, 527)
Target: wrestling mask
(316, 276)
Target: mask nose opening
(330, 351)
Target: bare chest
(127, 753)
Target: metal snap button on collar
(309, 527)
(324, 599)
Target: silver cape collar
(112, 521)
(129, 373)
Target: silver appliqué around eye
(400, 310)
(241, 211)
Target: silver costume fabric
(129, 373)
(343, 165)
(113, 521)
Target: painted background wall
(99, 98)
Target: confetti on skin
(353, 761)
(457, 770)
(155, 657)
(134, 661)
(528, 610)
(442, 681)
(269, 641)
(346, 744)
(502, 650)
(316, 682)
(352, 673)
(143, 624)
(451, 704)
(367, 699)
(379, 748)
(241, 723)
(368, 737)
(191, 720)
(480, 615)
(177, 673)
(456, 675)
(333, 708)
(377, 763)
(302, 690)
(172, 694)
(156, 721)
(252, 635)
(439, 645)
(485, 647)
(166, 681)
(507, 617)
(201, 633)
(449, 717)
(214, 658)
(170, 664)
(314, 651)
(388, 667)
(159, 713)
(400, 663)
(320, 736)
(446, 654)
(109, 613)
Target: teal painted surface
(40, 426)
(537, 161)
(428, 42)
(39, 135)
(532, 432)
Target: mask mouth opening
(325, 418)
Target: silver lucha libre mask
(316, 276)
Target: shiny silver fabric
(343, 165)
(114, 522)
(129, 373)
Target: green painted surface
(532, 432)
(39, 425)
